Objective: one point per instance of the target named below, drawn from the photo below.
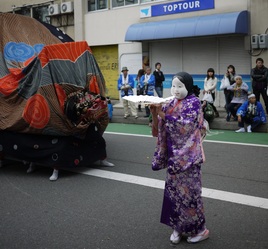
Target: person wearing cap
(240, 90)
(125, 86)
(251, 113)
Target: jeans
(159, 91)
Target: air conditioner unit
(67, 7)
(53, 9)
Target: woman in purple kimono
(180, 129)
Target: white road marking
(207, 141)
(247, 200)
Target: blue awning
(219, 24)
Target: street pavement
(119, 207)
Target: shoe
(249, 128)
(126, 115)
(228, 117)
(136, 117)
(54, 176)
(175, 238)
(240, 130)
(146, 116)
(199, 237)
(217, 115)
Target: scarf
(124, 80)
(147, 77)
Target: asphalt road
(82, 211)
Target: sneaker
(217, 115)
(249, 128)
(175, 238)
(199, 237)
(126, 115)
(136, 117)
(240, 130)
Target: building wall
(259, 25)
(6, 6)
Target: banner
(176, 8)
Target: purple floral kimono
(179, 149)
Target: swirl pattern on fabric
(36, 112)
(19, 52)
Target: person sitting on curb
(251, 113)
(125, 85)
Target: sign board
(176, 8)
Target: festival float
(53, 109)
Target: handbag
(208, 97)
(225, 83)
(209, 113)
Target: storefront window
(119, 3)
(97, 5)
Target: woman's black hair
(231, 66)
(211, 70)
(187, 80)
(140, 73)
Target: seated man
(251, 112)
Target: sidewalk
(217, 124)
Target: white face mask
(178, 89)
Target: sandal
(175, 238)
(199, 237)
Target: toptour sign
(176, 7)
